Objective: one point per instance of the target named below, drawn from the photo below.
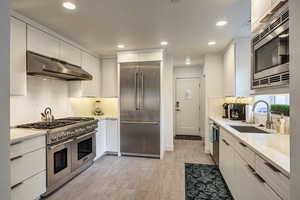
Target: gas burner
(78, 119)
(58, 123)
(47, 125)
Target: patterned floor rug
(205, 182)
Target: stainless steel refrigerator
(140, 109)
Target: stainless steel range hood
(38, 65)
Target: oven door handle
(82, 136)
(66, 142)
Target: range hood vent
(38, 65)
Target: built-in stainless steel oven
(83, 150)
(270, 54)
(59, 161)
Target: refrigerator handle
(142, 92)
(136, 90)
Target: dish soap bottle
(282, 124)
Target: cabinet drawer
(30, 189)
(254, 186)
(27, 146)
(273, 177)
(27, 165)
(228, 137)
(247, 154)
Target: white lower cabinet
(107, 137)
(31, 188)
(100, 139)
(28, 169)
(23, 167)
(225, 162)
(252, 186)
(245, 173)
(112, 136)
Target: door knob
(177, 109)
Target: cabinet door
(229, 71)
(70, 53)
(88, 88)
(100, 139)
(258, 9)
(109, 78)
(31, 188)
(112, 139)
(91, 65)
(226, 162)
(253, 186)
(18, 82)
(42, 43)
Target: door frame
(175, 93)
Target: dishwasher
(215, 142)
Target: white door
(187, 106)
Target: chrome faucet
(269, 121)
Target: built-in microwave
(270, 54)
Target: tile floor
(130, 178)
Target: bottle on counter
(282, 125)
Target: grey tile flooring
(131, 178)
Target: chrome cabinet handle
(243, 145)
(16, 158)
(15, 143)
(272, 167)
(257, 176)
(136, 90)
(226, 142)
(16, 185)
(82, 136)
(142, 92)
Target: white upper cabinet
(109, 78)
(229, 71)
(88, 88)
(92, 65)
(70, 53)
(237, 68)
(262, 10)
(18, 85)
(42, 43)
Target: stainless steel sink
(249, 129)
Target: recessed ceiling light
(164, 43)
(211, 43)
(187, 61)
(121, 46)
(221, 23)
(69, 5)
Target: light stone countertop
(21, 134)
(102, 117)
(275, 148)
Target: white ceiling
(188, 25)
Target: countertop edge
(282, 169)
(27, 137)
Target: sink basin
(249, 129)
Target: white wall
(4, 99)
(213, 73)
(41, 93)
(86, 106)
(190, 72)
(295, 97)
(169, 103)
(187, 71)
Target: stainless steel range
(70, 148)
